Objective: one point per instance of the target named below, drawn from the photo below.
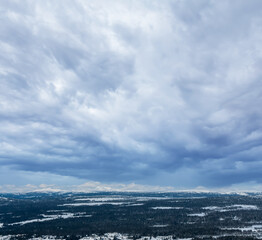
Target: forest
(134, 215)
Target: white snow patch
(46, 238)
(184, 238)
(245, 207)
(135, 204)
(107, 236)
(56, 210)
(197, 215)
(253, 228)
(93, 204)
(110, 236)
(32, 221)
(212, 208)
(166, 208)
(160, 225)
(1, 225)
(7, 237)
(152, 198)
(3, 198)
(51, 217)
(235, 207)
(235, 218)
(105, 199)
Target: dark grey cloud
(165, 93)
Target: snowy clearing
(93, 204)
(50, 218)
(166, 208)
(253, 228)
(160, 225)
(105, 199)
(197, 215)
(235, 207)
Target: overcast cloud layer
(152, 92)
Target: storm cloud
(151, 92)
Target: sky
(134, 94)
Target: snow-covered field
(166, 208)
(103, 199)
(152, 198)
(160, 225)
(197, 215)
(93, 204)
(51, 217)
(106, 236)
(235, 207)
(113, 199)
(135, 204)
(252, 228)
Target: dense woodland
(180, 215)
